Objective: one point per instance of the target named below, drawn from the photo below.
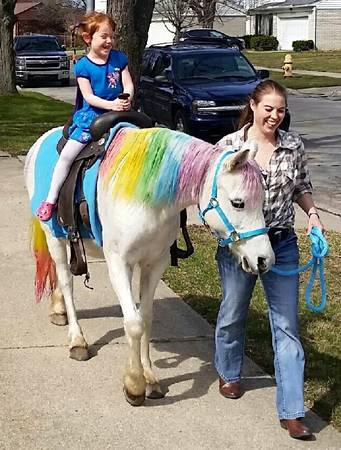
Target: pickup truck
(40, 58)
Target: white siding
(158, 33)
(329, 4)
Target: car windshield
(30, 43)
(212, 67)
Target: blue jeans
(282, 298)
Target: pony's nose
(262, 265)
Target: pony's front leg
(150, 277)
(121, 278)
(77, 344)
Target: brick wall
(328, 29)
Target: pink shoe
(45, 211)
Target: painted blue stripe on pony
(46, 160)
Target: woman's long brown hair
(264, 87)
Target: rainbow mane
(156, 166)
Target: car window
(198, 33)
(216, 34)
(162, 63)
(30, 43)
(213, 66)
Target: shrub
(247, 40)
(264, 42)
(303, 46)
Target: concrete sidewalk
(52, 402)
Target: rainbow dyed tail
(45, 266)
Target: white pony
(145, 179)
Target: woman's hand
(314, 221)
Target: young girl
(101, 75)
(286, 180)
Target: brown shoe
(230, 390)
(296, 428)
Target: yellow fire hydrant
(287, 66)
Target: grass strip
(312, 60)
(25, 116)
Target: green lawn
(24, 117)
(304, 81)
(320, 61)
(197, 282)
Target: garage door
(292, 29)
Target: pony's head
(240, 196)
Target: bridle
(233, 235)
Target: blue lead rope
(319, 249)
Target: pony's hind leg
(77, 344)
(134, 384)
(58, 314)
(150, 277)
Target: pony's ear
(237, 160)
(252, 145)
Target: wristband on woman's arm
(316, 214)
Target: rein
(233, 235)
(319, 249)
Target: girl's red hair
(91, 22)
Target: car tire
(180, 122)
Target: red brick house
(26, 13)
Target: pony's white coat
(137, 235)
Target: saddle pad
(45, 162)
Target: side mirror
(263, 73)
(63, 47)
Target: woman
(286, 180)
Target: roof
(25, 6)
(286, 4)
(191, 47)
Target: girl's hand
(121, 105)
(314, 221)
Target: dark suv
(200, 90)
(197, 35)
(40, 57)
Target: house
(26, 13)
(291, 20)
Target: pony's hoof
(154, 392)
(79, 353)
(59, 319)
(134, 400)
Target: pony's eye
(238, 204)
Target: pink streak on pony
(252, 181)
(113, 150)
(198, 158)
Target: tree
(7, 79)
(132, 19)
(205, 11)
(176, 12)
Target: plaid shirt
(285, 181)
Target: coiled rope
(319, 249)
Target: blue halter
(233, 235)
